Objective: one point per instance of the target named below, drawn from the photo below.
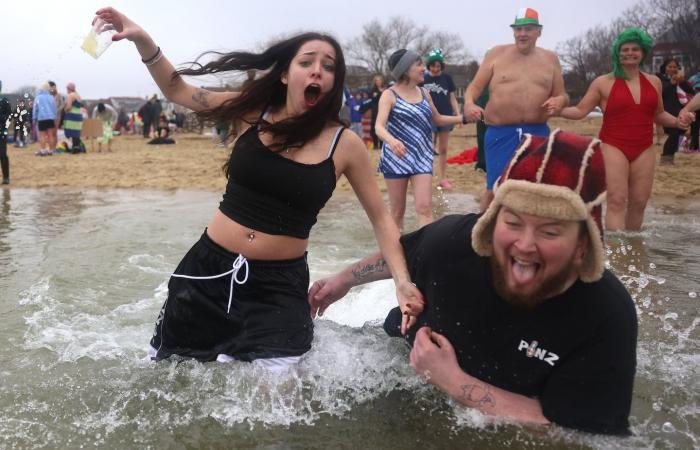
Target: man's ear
(582, 246)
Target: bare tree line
(587, 56)
(379, 40)
(583, 57)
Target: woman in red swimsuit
(631, 101)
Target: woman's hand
(685, 119)
(125, 28)
(410, 302)
(323, 293)
(398, 148)
(473, 112)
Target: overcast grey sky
(41, 38)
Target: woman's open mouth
(312, 94)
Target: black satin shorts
(267, 315)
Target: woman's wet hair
(269, 91)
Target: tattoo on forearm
(362, 272)
(200, 96)
(476, 395)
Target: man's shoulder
(610, 297)
(449, 233)
(455, 222)
(500, 51)
(546, 52)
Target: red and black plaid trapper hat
(561, 177)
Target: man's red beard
(551, 287)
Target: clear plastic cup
(98, 39)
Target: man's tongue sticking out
(523, 272)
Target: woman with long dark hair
(241, 291)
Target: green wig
(636, 35)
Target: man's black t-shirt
(575, 352)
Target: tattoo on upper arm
(361, 272)
(476, 395)
(200, 96)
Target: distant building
(128, 104)
(669, 45)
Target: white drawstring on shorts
(239, 262)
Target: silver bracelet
(154, 59)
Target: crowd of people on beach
(510, 311)
(38, 119)
(55, 122)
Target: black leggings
(146, 129)
(376, 142)
(4, 160)
(694, 129)
(671, 144)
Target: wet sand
(194, 163)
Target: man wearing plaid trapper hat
(525, 87)
(521, 318)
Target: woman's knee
(424, 207)
(397, 208)
(638, 202)
(617, 201)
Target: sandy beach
(194, 163)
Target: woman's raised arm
(175, 88)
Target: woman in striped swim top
(73, 118)
(404, 125)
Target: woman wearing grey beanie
(406, 113)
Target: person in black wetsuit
(522, 320)
(378, 87)
(5, 113)
(240, 292)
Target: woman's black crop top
(270, 193)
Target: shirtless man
(525, 86)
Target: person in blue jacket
(44, 115)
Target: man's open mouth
(523, 271)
